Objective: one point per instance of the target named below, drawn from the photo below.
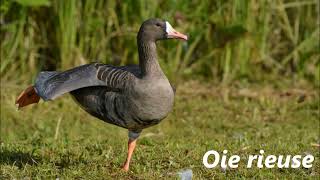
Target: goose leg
(133, 136)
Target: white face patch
(169, 28)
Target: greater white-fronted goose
(132, 97)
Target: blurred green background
(248, 79)
(229, 40)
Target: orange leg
(131, 146)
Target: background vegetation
(248, 80)
(246, 39)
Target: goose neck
(148, 62)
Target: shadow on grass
(18, 158)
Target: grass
(228, 40)
(58, 139)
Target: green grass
(228, 40)
(242, 118)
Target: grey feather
(50, 85)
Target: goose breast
(153, 98)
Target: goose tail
(28, 96)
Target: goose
(132, 97)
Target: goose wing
(50, 85)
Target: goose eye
(158, 24)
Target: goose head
(157, 29)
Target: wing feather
(50, 85)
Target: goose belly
(129, 110)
